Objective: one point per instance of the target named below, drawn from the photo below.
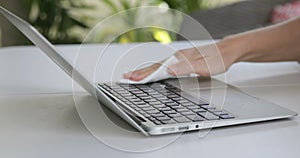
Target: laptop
(166, 106)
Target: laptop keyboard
(163, 103)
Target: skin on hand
(279, 42)
(204, 60)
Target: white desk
(39, 119)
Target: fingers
(140, 74)
(206, 63)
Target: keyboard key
(211, 108)
(152, 93)
(169, 121)
(164, 118)
(178, 107)
(129, 88)
(123, 92)
(137, 108)
(209, 116)
(141, 111)
(149, 108)
(196, 118)
(114, 87)
(157, 122)
(202, 112)
(179, 98)
(146, 115)
(153, 111)
(123, 99)
(142, 95)
(134, 90)
(138, 102)
(191, 117)
(187, 113)
(130, 97)
(154, 103)
(150, 100)
(182, 110)
(161, 98)
(166, 93)
(219, 113)
(181, 119)
(137, 92)
(159, 106)
(147, 97)
(171, 88)
(172, 104)
(189, 104)
(133, 107)
(193, 107)
(228, 116)
(205, 106)
(151, 118)
(165, 108)
(135, 100)
(158, 115)
(174, 115)
(170, 112)
(127, 102)
(199, 110)
(127, 95)
(158, 95)
(173, 96)
(182, 101)
(165, 101)
(142, 87)
(143, 105)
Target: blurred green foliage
(52, 20)
(68, 21)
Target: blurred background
(69, 21)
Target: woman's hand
(274, 43)
(204, 60)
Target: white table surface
(38, 117)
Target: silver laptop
(167, 106)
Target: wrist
(234, 48)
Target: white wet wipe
(160, 74)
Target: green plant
(52, 20)
(69, 21)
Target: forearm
(275, 43)
(279, 42)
